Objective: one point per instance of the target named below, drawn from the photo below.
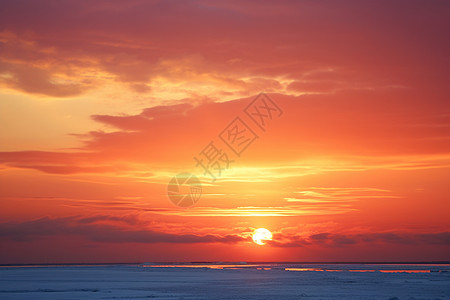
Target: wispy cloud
(333, 195)
(250, 211)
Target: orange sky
(102, 103)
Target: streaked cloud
(85, 227)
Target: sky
(102, 103)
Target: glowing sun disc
(261, 235)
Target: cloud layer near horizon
(94, 229)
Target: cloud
(92, 231)
(319, 195)
(38, 81)
(127, 229)
(253, 211)
(327, 239)
(243, 46)
(331, 133)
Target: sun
(261, 235)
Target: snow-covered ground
(226, 282)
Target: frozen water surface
(213, 281)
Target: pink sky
(103, 102)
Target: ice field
(226, 281)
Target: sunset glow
(104, 103)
